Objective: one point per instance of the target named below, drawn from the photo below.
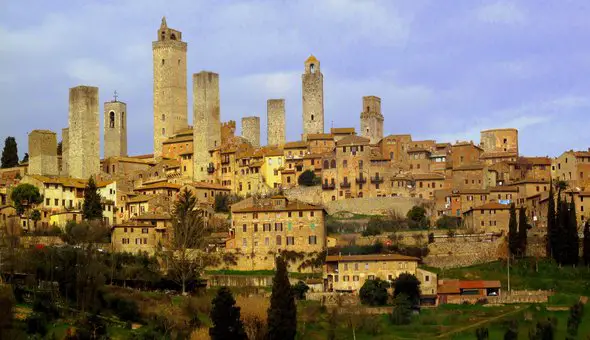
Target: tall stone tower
(251, 130)
(372, 119)
(170, 98)
(206, 121)
(313, 97)
(65, 146)
(84, 135)
(115, 129)
(275, 122)
(43, 153)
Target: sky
(444, 70)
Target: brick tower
(84, 135)
(313, 97)
(275, 122)
(170, 98)
(206, 121)
(372, 119)
(251, 130)
(115, 128)
(43, 153)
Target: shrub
(447, 222)
(307, 178)
(300, 289)
(402, 310)
(374, 292)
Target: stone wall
(84, 135)
(65, 144)
(242, 280)
(275, 122)
(251, 130)
(43, 153)
(261, 261)
(313, 97)
(206, 121)
(115, 129)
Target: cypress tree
(225, 316)
(522, 231)
(573, 244)
(551, 224)
(10, 153)
(282, 313)
(91, 208)
(586, 243)
(513, 241)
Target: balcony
(345, 185)
(377, 180)
(361, 180)
(329, 186)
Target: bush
(448, 222)
(417, 217)
(408, 285)
(374, 292)
(308, 178)
(300, 289)
(402, 310)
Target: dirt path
(480, 323)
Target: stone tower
(115, 129)
(65, 146)
(84, 136)
(275, 122)
(228, 131)
(206, 121)
(251, 130)
(170, 98)
(313, 97)
(43, 153)
(372, 119)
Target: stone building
(228, 131)
(170, 96)
(499, 145)
(275, 122)
(180, 143)
(65, 145)
(372, 119)
(43, 153)
(115, 129)
(207, 122)
(572, 167)
(313, 97)
(490, 217)
(84, 136)
(251, 130)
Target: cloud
(501, 12)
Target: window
(427, 278)
(244, 242)
(313, 239)
(56, 202)
(266, 227)
(47, 202)
(290, 240)
(255, 227)
(311, 213)
(312, 117)
(278, 240)
(356, 266)
(345, 278)
(111, 119)
(355, 278)
(163, 131)
(278, 227)
(345, 163)
(266, 241)
(301, 214)
(244, 228)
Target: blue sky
(444, 69)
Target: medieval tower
(43, 153)
(170, 99)
(372, 119)
(65, 146)
(84, 135)
(313, 97)
(251, 130)
(206, 121)
(115, 129)
(275, 122)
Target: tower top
(163, 24)
(311, 59)
(312, 64)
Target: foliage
(523, 226)
(25, 195)
(221, 203)
(253, 312)
(282, 313)
(374, 292)
(308, 178)
(417, 217)
(513, 241)
(299, 290)
(35, 216)
(7, 305)
(402, 310)
(552, 232)
(91, 209)
(86, 232)
(372, 229)
(574, 320)
(60, 148)
(544, 330)
(512, 331)
(225, 317)
(25, 158)
(482, 333)
(408, 285)
(448, 222)
(586, 244)
(9, 153)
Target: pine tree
(523, 226)
(513, 241)
(10, 153)
(551, 224)
(282, 313)
(92, 208)
(586, 243)
(225, 316)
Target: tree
(60, 148)
(221, 203)
(36, 217)
(282, 313)
(552, 232)
(25, 158)
(523, 226)
(417, 216)
(308, 178)
(372, 230)
(586, 244)
(409, 285)
(91, 209)
(402, 310)
(24, 196)
(511, 331)
(374, 292)
(447, 222)
(482, 333)
(544, 330)
(225, 316)
(573, 240)
(300, 289)
(513, 241)
(183, 257)
(574, 320)
(10, 153)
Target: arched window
(326, 164)
(163, 117)
(163, 36)
(333, 164)
(172, 36)
(312, 68)
(122, 120)
(163, 131)
(162, 61)
(111, 119)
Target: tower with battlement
(372, 119)
(275, 122)
(43, 153)
(115, 129)
(313, 97)
(170, 96)
(83, 134)
(206, 122)
(251, 130)
(228, 131)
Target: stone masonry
(170, 96)
(115, 129)
(251, 130)
(372, 119)
(84, 136)
(275, 122)
(43, 153)
(65, 144)
(313, 97)
(206, 121)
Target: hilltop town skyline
(516, 93)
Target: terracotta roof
(370, 257)
(295, 145)
(140, 199)
(353, 140)
(338, 131)
(507, 188)
(273, 153)
(311, 58)
(432, 175)
(455, 286)
(417, 149)
(159, 185)
(64, 181)
(530, 181)
(491, 206)
(175, 139)
(265, 205)
(468, 167)
(536, 160)
(133, 160)
(499, 154)
(205, 185)
(151, 155)
(473, 191)
(319, 136)
(582, 153)
(151, 216)
(466, 144)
